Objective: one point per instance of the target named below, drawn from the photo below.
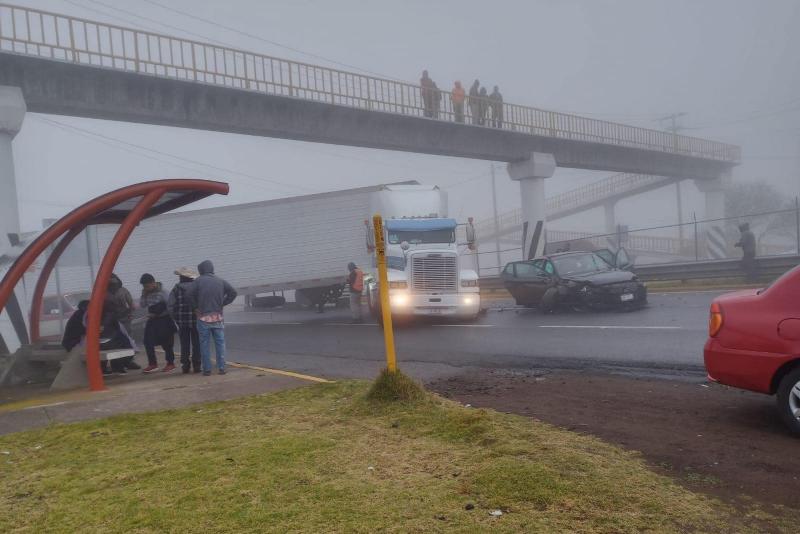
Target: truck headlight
(468, 300)
(469, 283)
(399, 299)
(398, 284)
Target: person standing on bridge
(209, 294)
(457, 97)
(747, 242)
(427, 89)
(483, 106)
(474, 101)
(496, 103)
(437, 100)
(356, 282)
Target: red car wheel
(789, 400)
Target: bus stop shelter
(126, 207)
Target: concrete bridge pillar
(12, 113)
(714, 242)
(531, 174)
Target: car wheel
(549, 300)
(789, 400)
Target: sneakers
(206, 373)
(186, 369)
(133, 365)
(221, 371)
(168, 368)
(150, 368)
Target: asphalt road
(665, 337)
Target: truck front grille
(434, 272)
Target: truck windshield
(418, 238)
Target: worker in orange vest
(356, 283)
(458, 96)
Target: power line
(108, 139)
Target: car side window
(527, 270)
(548, 267)
(509, 269)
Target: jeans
(355, 305)
(190, 344)
(205, 332)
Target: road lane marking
(280, 372)
(245, 323)
(612, 327)
(465, 325)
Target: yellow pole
(383, 291)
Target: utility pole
(675, 128)
(496, 219)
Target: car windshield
(580, 264)
(418, 238)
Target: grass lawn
(325, 459)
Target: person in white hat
(180, 307)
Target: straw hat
(187, 272)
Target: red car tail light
(715, 320)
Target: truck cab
(428, 269)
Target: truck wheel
(549, 300)
(789, 400)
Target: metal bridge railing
(85, 42)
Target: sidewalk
(137, 392)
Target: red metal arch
(108, 208)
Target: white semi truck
(301, 244)
(430, 272)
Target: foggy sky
(731, 65)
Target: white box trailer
(296, 243)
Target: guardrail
(769, 267)
(86, 42)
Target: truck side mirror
(405, 246)
(471, 238)
(370, 237)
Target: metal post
(679, 198)
(696, 244)
(383, 291)
(797, 220)
(60, 304)
(496, 219)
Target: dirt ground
(720, 441)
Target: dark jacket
(180, 307)
(160, 328)
(209, 294)
(75, 330)
(747, 241)
(119, 301)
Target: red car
(754, 343)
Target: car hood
(602, 278)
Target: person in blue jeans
(209, 295)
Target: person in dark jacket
(209, 295)
(474, 101)
(120, 304)
(183, 313)
(112, 336)
(483, 106)
(496, 104)
(427, 88)
(160, 328)
(747, 242)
